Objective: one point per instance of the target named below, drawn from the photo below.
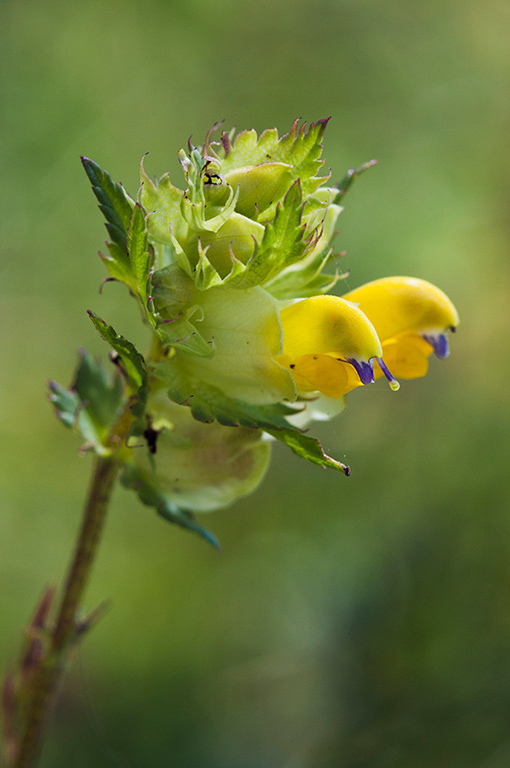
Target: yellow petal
(398, 305)
(323, 373)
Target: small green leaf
(308, 448)
(66, 402)
(139, 253)
(113, 201)
(117, 208)
(185, 519)
(91, 404)
(132, 361)
(117, 263)
(153, 497)
(350, 177)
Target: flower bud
(260, 186)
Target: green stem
(64, 632)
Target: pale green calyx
(235, 334)
(196, 466)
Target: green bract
(211, 265)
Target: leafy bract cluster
(210, 266)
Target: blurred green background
(349, 622)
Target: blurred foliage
(350, 622)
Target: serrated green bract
(208, 403)
(299, 148)
(282, 245)
(308, 448)
(117, 263)
(253, 207)
(91, 404)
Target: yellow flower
(411, 317)
(331, 343)
(328, 345)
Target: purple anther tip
(364, 370)
(439, 343)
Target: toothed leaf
(308, 448)
(113, 201)
(92, 402)
(131, 361)
(117, 263)
(208, 403)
